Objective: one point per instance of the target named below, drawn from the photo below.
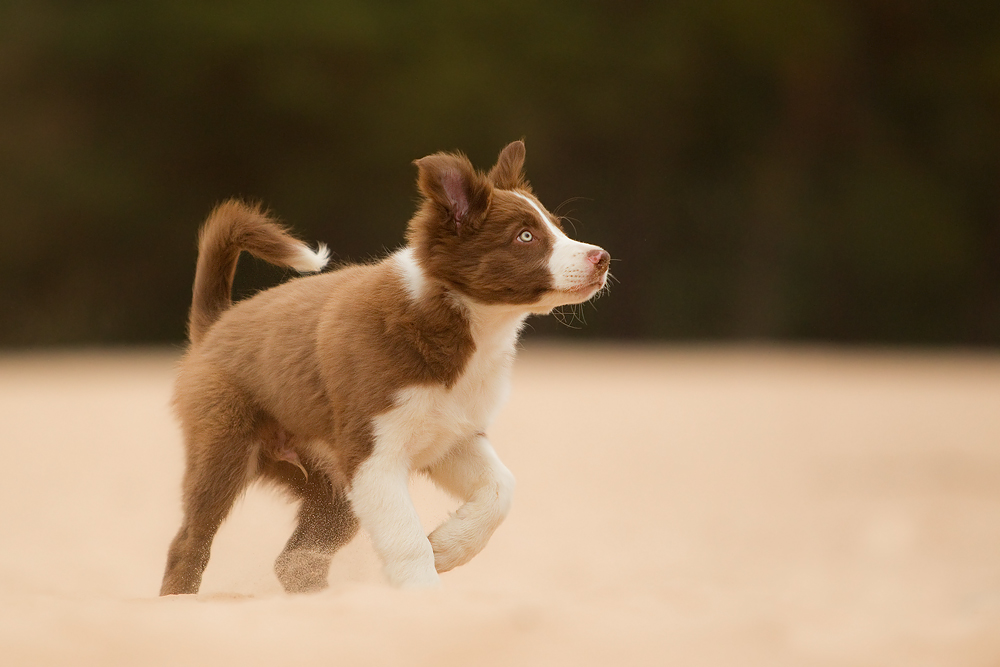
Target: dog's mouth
(567, 296)
(583, 289)
(587, 290)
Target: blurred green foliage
(779, 169)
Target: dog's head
(488, 237)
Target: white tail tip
(311, 261)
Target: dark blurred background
(787, 170)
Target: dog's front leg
(471, 472)
(380, 498)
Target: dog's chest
(428, 420)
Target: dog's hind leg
(217, 472)
(325, 523)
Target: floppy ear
(508, 172)
(451, 183)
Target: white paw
(414, 579)
(413, 573)
(451, 546)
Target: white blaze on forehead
(541, 214)
(568, 262)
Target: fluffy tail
(232, 227)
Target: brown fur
(294, 376)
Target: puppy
(339, 386)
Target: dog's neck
(495, 328)
(451, 330)
(491, 328)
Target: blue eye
(525, 237)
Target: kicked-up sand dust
(688, 506)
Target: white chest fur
(428, 420)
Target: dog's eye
(525, 237)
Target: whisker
(604, 290)
(570, 201)
(560, 315)
(566, 218)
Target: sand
(691, 506)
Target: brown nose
(600, 258)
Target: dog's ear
(508, 172)
(452, 184)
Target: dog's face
(488, 237)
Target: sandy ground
(692, 506)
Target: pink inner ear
(454, 187)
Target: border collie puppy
(341, 385)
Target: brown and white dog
(341, 385)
